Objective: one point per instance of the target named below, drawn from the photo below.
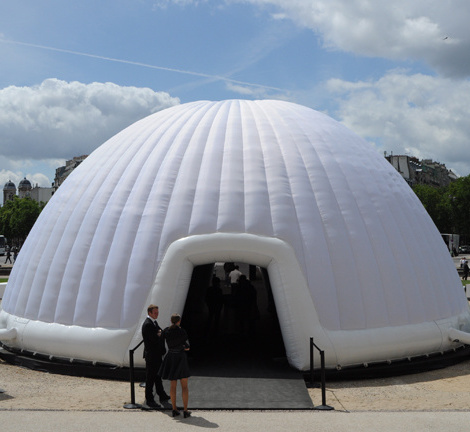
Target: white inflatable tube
(459, 336)
(8, 334)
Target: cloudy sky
(73, 74)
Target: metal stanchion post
(311, 362)
(312, 384)
(132, 405)
(323, 406)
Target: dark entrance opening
(235, 330)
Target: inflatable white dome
(353, 258)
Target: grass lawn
(6, 280)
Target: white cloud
(59, 120)
(246, 90)
(35, 179)
(433, 31)
(43, 126)
(38, 179)
(418, 115)
(7, 175)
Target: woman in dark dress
(175, 364)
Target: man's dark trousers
(154, 349)
(152, 378)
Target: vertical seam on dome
(166, 158)
(262, 150)
(325, 236)
(207, 155)
(403, 287)
(286, 170)
(98, 220)
(136, 157)
(80, 190)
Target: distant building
(9, 191)
(425, 171)
(41, 194)
(25, 190)
(63, 172)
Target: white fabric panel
(369, 256)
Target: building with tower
(24, 188)
(9, 191)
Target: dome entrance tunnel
(191, 265)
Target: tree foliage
(17, 217)
(449, 207)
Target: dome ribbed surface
(368, 250)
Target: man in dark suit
(154, 349)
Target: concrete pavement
(236, 421)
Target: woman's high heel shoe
(186, 414)
(175, 413)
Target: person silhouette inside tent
(214, 301)
(234, 276)
(246, 306)
(228, 267)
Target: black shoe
(152, 404)
(164, 398)
(186, 414)
(175, 413)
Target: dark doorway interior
(245, 337)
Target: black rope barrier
(132, 405)
(323, 406)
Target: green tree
(449, 207)
(437, 204)
(17, 217)
(458, 194)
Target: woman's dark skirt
(175, 366)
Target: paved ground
(26, 421)
(430, 401)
